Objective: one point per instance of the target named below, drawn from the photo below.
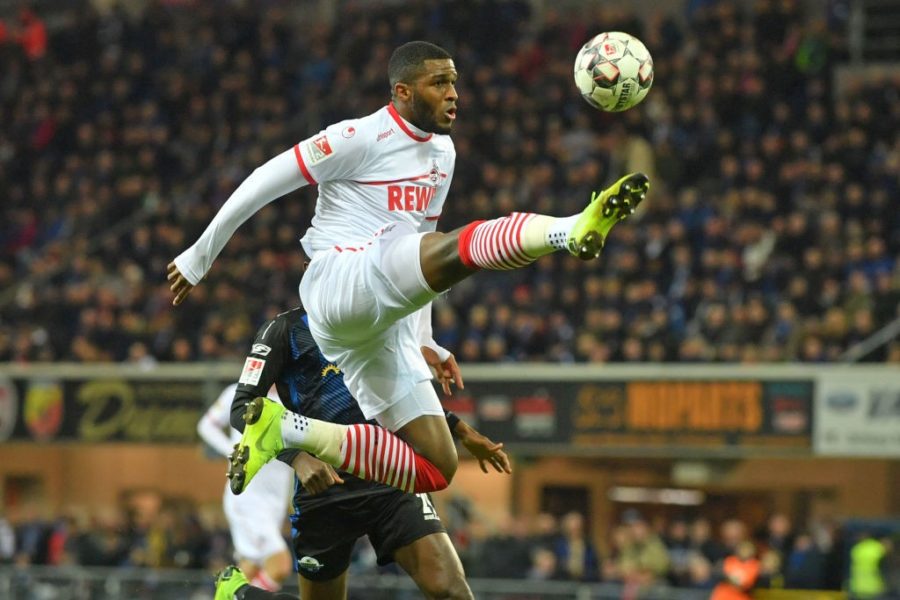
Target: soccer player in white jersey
(377, 262)
(256, 517)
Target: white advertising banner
(857, 415)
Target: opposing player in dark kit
(332, 507)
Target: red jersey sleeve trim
(402, 125)
(302, 165)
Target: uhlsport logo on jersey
(318, 149)
(309, 564)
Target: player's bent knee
(447, 464)
(447, 584)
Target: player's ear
(402, 91)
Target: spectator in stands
(645, 561)
(868, 567)
(779, 535)
(577, 557)
(804, 565)
(7, 539)
(699, 573)
(141, 128)
(701, 541)
(740, 572)
(544, 565)
(679, 550)
(506, 553)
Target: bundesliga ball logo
(613, 71)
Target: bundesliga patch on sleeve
(253, 368)
(318, 149)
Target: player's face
(433, 97)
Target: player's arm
(442, 362)
(270, 352)
(480, 446)
(214, 423)
(329, 155)
(272, 180)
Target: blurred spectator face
(678, 530)
(640, 530)
(621, 537)
(699, 570)
(733, 533)
(746, 550)
(803, 543)
(545, 525)
(543, 564)
(701, 531)
(779, 525)
(573, 525)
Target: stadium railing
(82, 583)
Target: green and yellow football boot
(605, 210)
(228, 582)
(260, 443)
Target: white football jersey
(373, 171)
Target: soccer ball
(613, 71)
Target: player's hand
(180, 286)
(314, 475)
(486, 451)
(447, 372)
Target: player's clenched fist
(315, 475)
(180, 286)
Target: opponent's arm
(263, 365)
(481, 447)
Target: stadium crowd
(638, 553)
(770, 233)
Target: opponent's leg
(433, 564)
(332, 589)
(521, 238)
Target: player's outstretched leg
(363, 450)
(519, 239)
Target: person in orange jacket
(741, 570)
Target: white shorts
(363, 305)
(255, 517)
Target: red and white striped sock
(376, 454)
(512, 242)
